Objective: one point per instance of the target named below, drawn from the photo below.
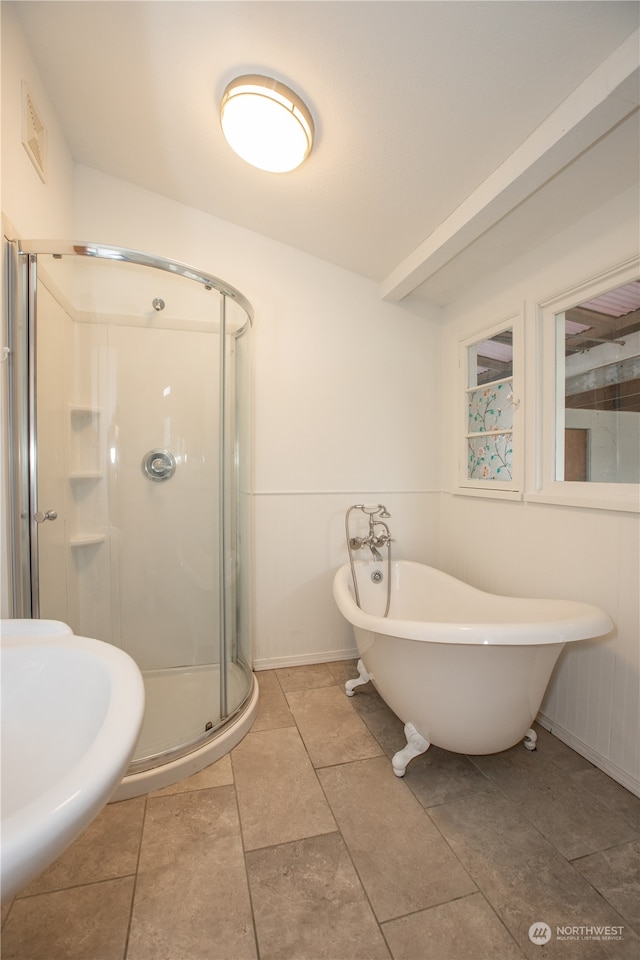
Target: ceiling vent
(34, 133)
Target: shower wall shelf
(85, 473)
(83, 411)
(88, 540)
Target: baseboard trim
(274, 663)
(607, 766)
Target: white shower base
(179, 704)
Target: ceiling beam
(606, 97)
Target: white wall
(30, 207)
(35, 208)
(345, 393)
(534, 549)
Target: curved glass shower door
(139, 478)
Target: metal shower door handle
(43, 515)
(158, 465)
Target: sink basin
(71, 713)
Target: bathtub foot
(416, 744)
(530, 738)
(350, 685)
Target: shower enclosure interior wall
(130, 403)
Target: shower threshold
(174, 741)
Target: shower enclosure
(129, 382)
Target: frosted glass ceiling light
(266, 123)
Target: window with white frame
(491, 449)
(591, 393)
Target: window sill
(493, 493)
(596, 501)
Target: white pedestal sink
(72, 709)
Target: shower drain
(377, 576)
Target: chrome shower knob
(158, 465)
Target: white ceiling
(415, 105)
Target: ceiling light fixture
(266, 123)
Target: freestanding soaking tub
(463, 669)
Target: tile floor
(302, 844)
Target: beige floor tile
(343, 670)
(559, 753)
(192, 900)
(524, 878)
(612, 795)
(402, 860)
(108, 848)
(309, 904)
(273, 710)
(331, 729)
(615, 874)
(464, 929)
(217, 774)
(82, 923)
(487, 827)
(438, 776)
(382, 722)
(305, 677)
(572, 819)
(279, 796)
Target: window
(491, 453)
(591, 393)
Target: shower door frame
(21, 260)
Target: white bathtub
(463, 669)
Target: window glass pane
(491, 457)
(491, 408)
(491, 359)
(600, 370)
